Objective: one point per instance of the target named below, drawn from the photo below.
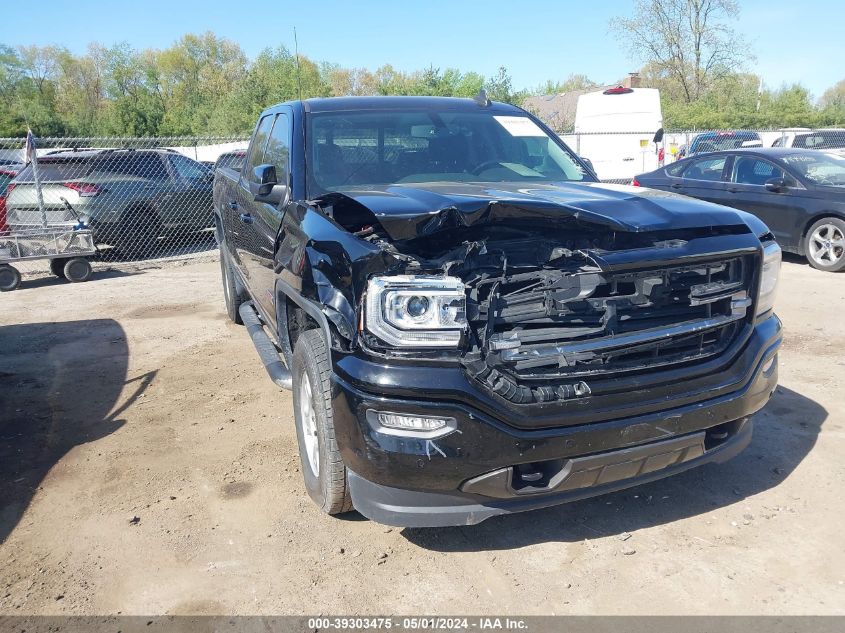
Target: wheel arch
(802, 249)
(820, 216)
(296, 314)
(145, 206)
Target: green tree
(571, 83)
(689, 42)
(500, 87)
(834, 97)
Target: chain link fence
(143, 198)
(146, 199)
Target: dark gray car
(798, 193)
(130, 198)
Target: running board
(268, 353)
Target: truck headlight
(416, 310)
(769, 278)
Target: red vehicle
(7, 174)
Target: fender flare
(285, 291)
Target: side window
(278, 147)
(149, 166)
(115, 163)
(749, 170)
(706, 168)
(256, 149)
(186, 168)
(675, 170)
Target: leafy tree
(834, 97)
(571, 83)
(204, 84)
(500, 87)
(687, 41)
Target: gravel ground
(148, 466)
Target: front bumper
(467, 475)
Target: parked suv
(130, 197)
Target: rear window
(57, 169)
(235, 160)
(132, 164)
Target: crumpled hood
(409, 211)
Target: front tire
(322, 465)
(824, 245)
(232, 295)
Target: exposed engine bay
(546, 312)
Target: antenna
(298, 73)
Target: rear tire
(77, 270)
(322, 465)
(824, 245)
(10, 278)
(232, 294)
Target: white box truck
(615, 129)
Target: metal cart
(66, 248)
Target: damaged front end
(535, 308)
(541, 334)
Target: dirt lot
(148, 466)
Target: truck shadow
(61, 385)
(784, 433)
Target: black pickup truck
(471, 324)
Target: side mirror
(265, 176)
(589, 164)
(775, 185)
(658, 136)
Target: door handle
(677, 186)
(246, 218)
(233, 205)
(733, 189)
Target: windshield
(819, 168)
(388, 147)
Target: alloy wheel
(309, 425)
(827, 245)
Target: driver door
(259, 220)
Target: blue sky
(793, 41)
